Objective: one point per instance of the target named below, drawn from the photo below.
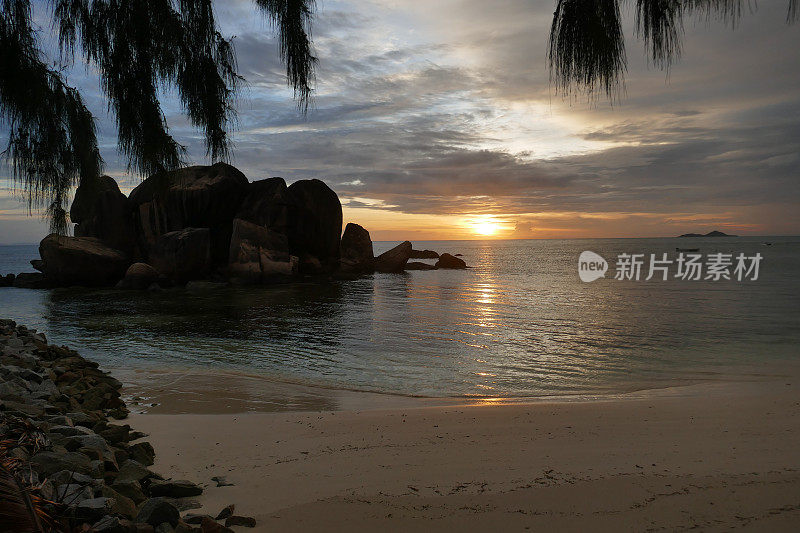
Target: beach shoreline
(170, 390)
(711, 456)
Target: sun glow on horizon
(486, 226)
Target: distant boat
(687, 249)
(767, 244)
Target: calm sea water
(520, 323)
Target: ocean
(519, 323)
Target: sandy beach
(709, 457)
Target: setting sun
(486, 227)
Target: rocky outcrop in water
(193, 197)
(100, 210)
(201, 222)
(90, 474)
(83, 261)
(258, 254)
(424, 254)
(356, 255)
(395, 259)
(419, 265)
(139, 276)
(450, 261)
(209, 223)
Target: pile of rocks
(56, 412)
(206, 223)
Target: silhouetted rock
(7, 280)
(268, 204)
(258, 253)
(192, 197)
(424, 254)
(100, 210)
(139, 276)
(450, 261)
(315, 222)
(395, 259)
(709, 234)
(81, 261)
(356, 255)
(419, 265)
(183, 255)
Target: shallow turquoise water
(519, 323)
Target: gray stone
(133, 471)
(72, 494)
(130, 489)
(47, 463)
(94, 509)
(71, 431)
(142, 452)
(111, 524)
(156, 511)
(66, 477)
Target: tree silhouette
(137, 47)
(587, 46)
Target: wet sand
(711, 456)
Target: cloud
(413, 116)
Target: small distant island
(709, 234)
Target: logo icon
(591, 266)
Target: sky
(436, 120)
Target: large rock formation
(308, 212)
(395, 259)
(192, 197)
(267, 203)
(81, 261)
(315, 222)
(258, 254)
(100, 210)
(204, 222)
(356, 255)
(183, 255)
